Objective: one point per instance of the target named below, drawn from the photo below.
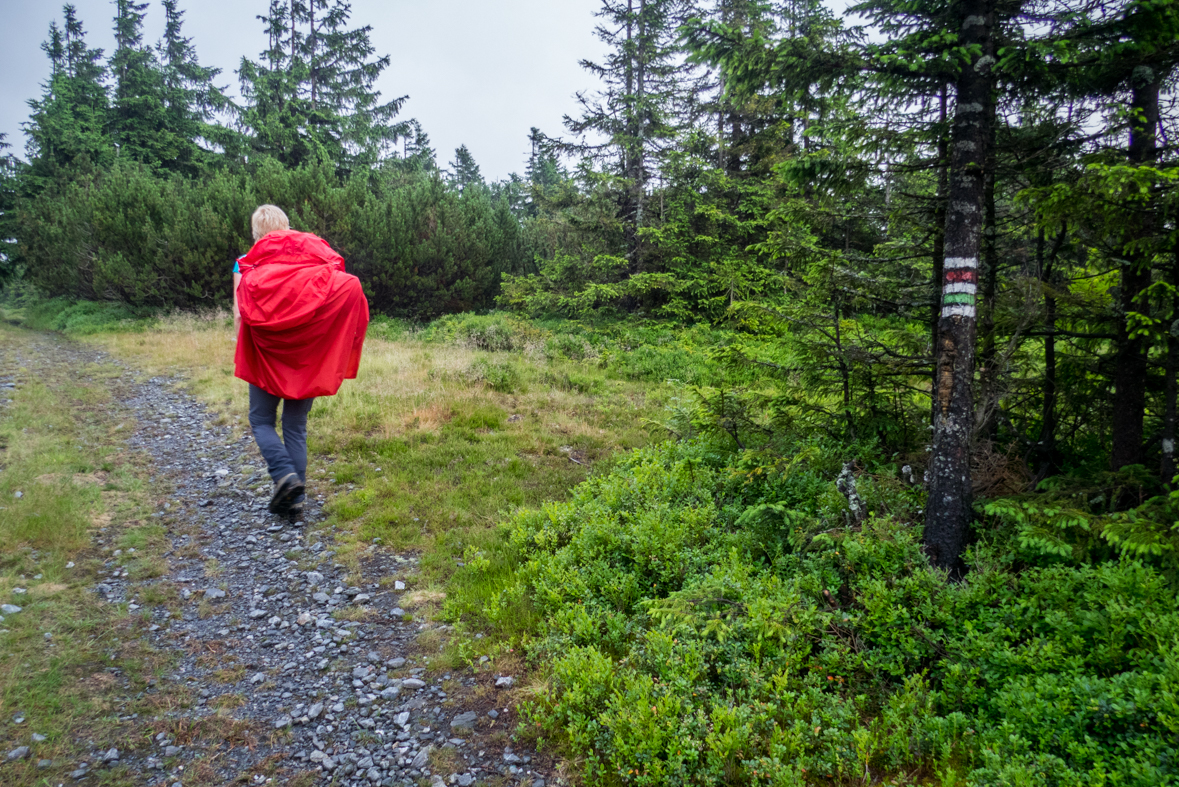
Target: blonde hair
(267, 219)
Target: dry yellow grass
(420, 450)
(401, 387)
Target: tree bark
(939, 236)
(630, 152)
(311, 52)
(1167, 467)
(1130, 366)
(987, 422)
(641, 146)
(844, 374)
(948, 511)
(1046, 444)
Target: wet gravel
(264, 645)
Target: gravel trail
(296, 676)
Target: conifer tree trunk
(294, 52)
(1167, 468)
(939, 233)
(630, 164)
(640, 147)
(1046, 445)
(312, 45)
(949, 508)
(988, 421)
(720, 124)
(1130, 368)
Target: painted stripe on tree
(958, 297)
(961, 286)
(961, 262)
(958, 310)
(962, 274)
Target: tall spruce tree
(417, 154)
(542, 173)
(274, 117)
(1122, 57)
(67, 126)
(191, 99)
(543, 167)
(636, 111)
(1132, 55)
(342, 72)
(464, 172)
(9, 178)
(312, 94)
(777, 66)
(913, 72)
(139, 124)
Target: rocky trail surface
(282, 670)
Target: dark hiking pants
(288, 454)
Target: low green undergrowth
(634, 350)
(24, 305)
(706, 617)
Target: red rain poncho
(303, 317)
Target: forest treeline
(141, 173)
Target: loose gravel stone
(464, 721)
(422, 758)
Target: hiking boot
(295, 512)
(286, 490)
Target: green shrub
(717, 618)
(502, 376)
(84, 317)
(126, 234)
(565, 345)
(388, 328)
(491, 332)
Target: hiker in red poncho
(301, 322)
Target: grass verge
(73, 667)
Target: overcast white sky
(478, 72)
